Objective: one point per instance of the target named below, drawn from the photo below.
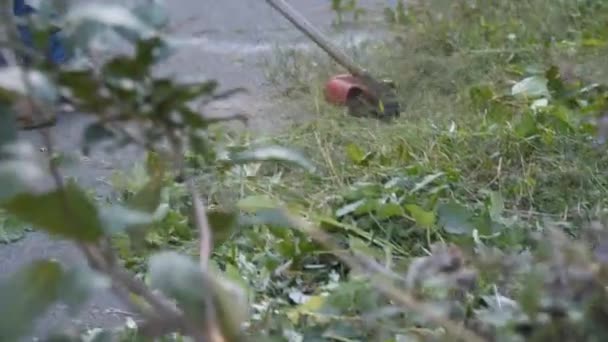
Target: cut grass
(467, 163)
(566, 177)
(447, 50)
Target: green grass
(467, 163)
(442, 130)
(455, 75)
(465, 157)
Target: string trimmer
(359, 91)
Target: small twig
(93, 253)
(123, 282)
(165, 311)
(123, 277)
(98, 260)
(198, 206)
(212, 332)
(202, 223)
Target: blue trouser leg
(56, 51)
(20, 8)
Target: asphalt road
(227, 40)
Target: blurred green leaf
(26, 295)
(481, 96)
(554, 81)
(563, 120)
(180, 278)
(369, 205)
(20, 170)
(124, 68)
(84, 86)
(138, 67)
(148, 198)
(275, 217)
(389, 210)
(30, 82)
(358, 245)
(79, 284)
(455, 218)
(11, 229)
(234, 274)
(357, 155)
(223, 224)
(423, 218)
(155, 165)
(167, 96)
(232, 304)
(526, 126)
(117, 219)
(255, 203)
(67, 212)
(262, 210)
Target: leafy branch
(88, 225)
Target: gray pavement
(227, 41)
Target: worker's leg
(56, 54)
(20, 8)
(56, 51)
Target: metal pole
(316, 36)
